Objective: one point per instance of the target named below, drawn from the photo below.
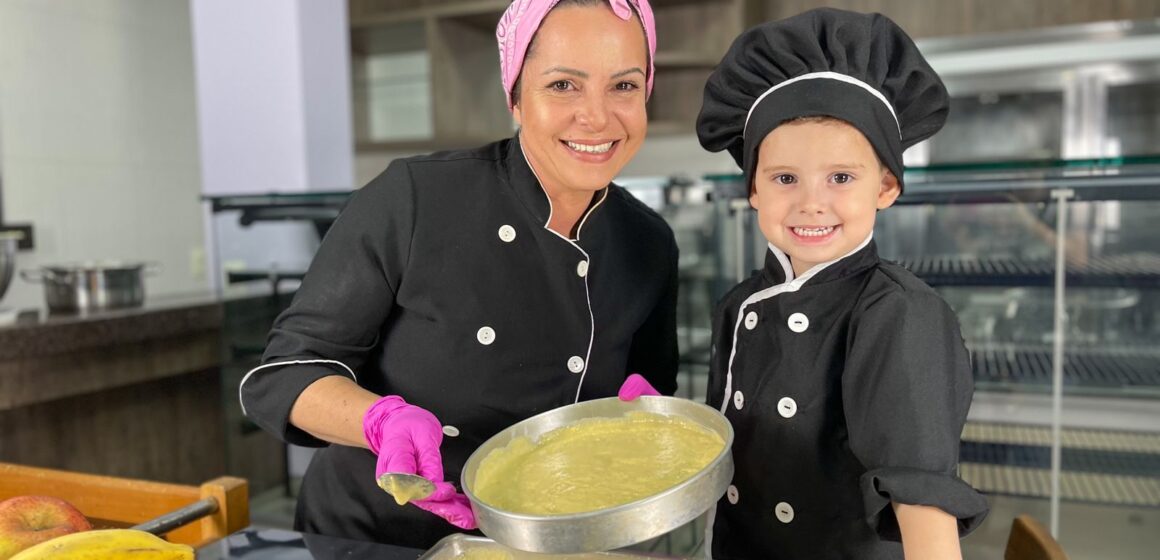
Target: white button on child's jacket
(450, 431)
(786, 407)
(750, 320)
(738, 400)
(507, 233)
(582, 269)
(485, 336)
(798, 322)
(784, 512)
(732, 494)
(575, 364)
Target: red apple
(28, 520)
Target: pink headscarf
(523, 17)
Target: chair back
(1030, 540)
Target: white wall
(325, 57)
(274, 110)
(98, 136)
(273, 95)
(251, 96)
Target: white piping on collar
(828, 76)
(588, 259)
(551, 209)
(790, 284)
(288, 363)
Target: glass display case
(988, 237)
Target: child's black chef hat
(860, 68)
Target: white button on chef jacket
(582, 269)
(485, 336)
(450, 431)
(732, 494)
(507, 233)
(575, 364)
(786, 407)
(784, 512)
(798, 322)
(738, 400)
(750, 320)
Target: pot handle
(40, 275)
(152, 268)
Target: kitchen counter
(131, 392)
(47, 356)
(34, 332)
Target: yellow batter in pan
(594, 464)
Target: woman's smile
(591, 151)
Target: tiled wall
(98, 137)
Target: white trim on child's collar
(828, 76)
(787, 268)
(791, 284)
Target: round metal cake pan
(615, 527)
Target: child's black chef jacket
(441, 283)
(847, 388)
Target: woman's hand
(635, 386)
(928, 532)
(449, 504)
(406, 439)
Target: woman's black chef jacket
(847, 388)
(441, 283)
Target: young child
(845, 377)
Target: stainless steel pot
(8, 243)
(91, 286)
(611, 528)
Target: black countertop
(26, 333)
(253, 543)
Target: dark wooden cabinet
(461, 81)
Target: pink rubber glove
(406, 439)
(635, 386)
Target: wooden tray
(111, 502)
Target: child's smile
(817, 188)
(816, 235)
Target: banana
(107, 544)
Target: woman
(461, 292)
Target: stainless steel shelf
(1120, 372)
(1136, 270)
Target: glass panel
(1001, 126)
(1133, 125)
(994, 264)
(1111, 406)
(696, 224)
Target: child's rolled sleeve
(906, 390)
